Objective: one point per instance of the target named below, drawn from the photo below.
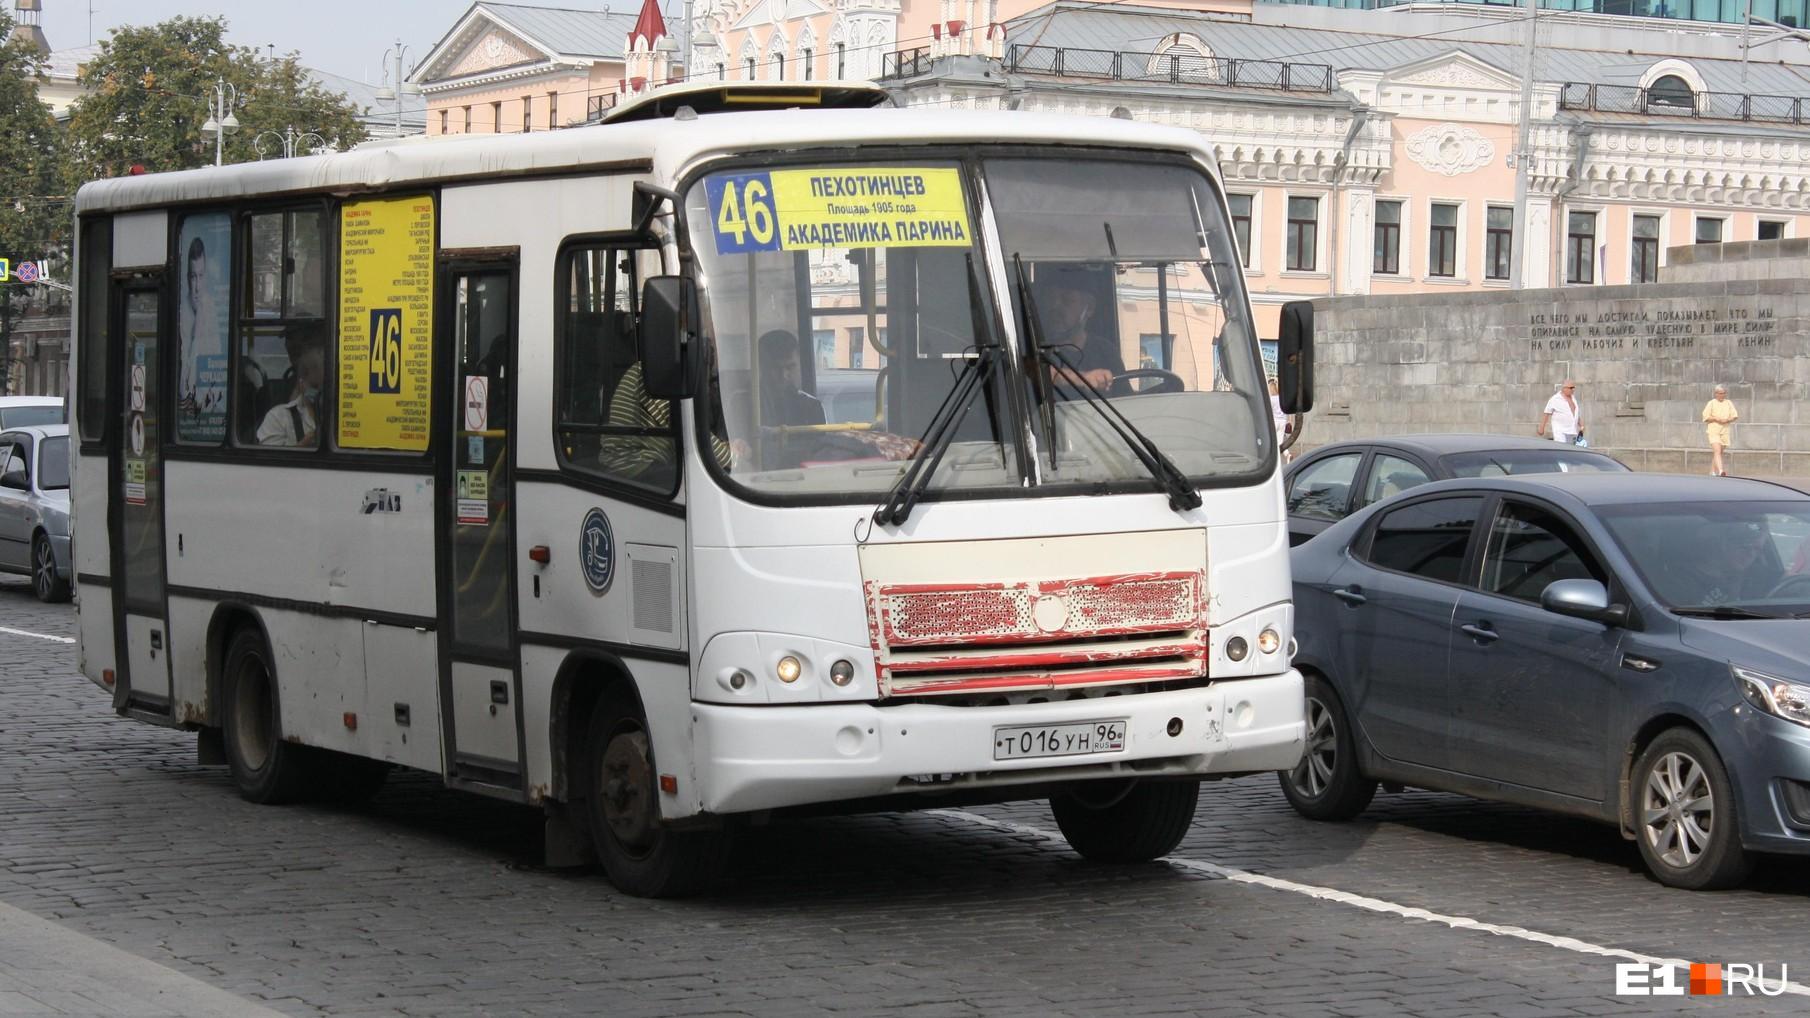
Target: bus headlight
(842, 673)
(1237, 648)
(788, 669)
(1269, 641)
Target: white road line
(40, 636)
(1370, 904)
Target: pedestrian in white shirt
(1562, 418)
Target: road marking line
(1368, 903)
(40, 636)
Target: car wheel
(1144, 823)
(1326, 784)
(1686, 820)
(45, 583)
(641, 855)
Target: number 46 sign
(386, 350)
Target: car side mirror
(1583, 599)
(667, 337)
(1295, 357)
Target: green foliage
(152, 88)
(35, 215)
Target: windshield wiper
(1181, 491)
(1722, 611)
(974, 377)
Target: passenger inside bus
(294, 423)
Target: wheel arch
(229, 617)
(585, 679)
(1651, 729)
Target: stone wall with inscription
(1645, 359)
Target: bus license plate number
(1076, 739)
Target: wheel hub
(625, 790)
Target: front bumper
(1767, 755)
(763, 757)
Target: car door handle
(1354, 596)
(1481, 632)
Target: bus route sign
(386, 321)
(839, 207)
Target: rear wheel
(46, 583)
(1326, 784)
(640, 854)
(266, 768)
(1144, 823)
(1685, 816)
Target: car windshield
(30, 416)
(53, 463)
(1719, 555)
(845, 302)
(1498, 462)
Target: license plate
(1075, 739)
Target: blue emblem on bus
(597, 551)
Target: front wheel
(1326, 784)
(640, 854)
(1685, 816)
(1145, 823)
(46, 583)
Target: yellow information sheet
(844, 207)
(386, 322)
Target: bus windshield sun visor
(1183, 496)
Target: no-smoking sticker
(477, 403)
(138, 387)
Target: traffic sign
(27, 272)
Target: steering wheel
(1168, 381)
(1792, 586)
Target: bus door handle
(1352, 596)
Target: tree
(152, 88)
(35, 214)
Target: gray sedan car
(1633, 648)
(34, 507)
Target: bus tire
(641, 855)
(1145, 823)
(266, 768)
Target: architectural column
(1536, 247)
(1357, 236)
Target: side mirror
(669, 321)
(1295, 357)
(1582, 599)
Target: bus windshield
(846, 301)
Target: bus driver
(294, 423)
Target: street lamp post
(221, 122)
(401, 88)
(291, 139)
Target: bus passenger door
(137, 500)
(479, 678)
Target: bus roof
(662, 147)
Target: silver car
(34, 507)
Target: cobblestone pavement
(428, 902)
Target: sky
(346, 37)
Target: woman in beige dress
(1718, 414)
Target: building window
(826, 347)
(1386, 259)
(527, 113)
(750, 68)
(444, 115)
(1303, 233)
(496, 117)
(1671, 93)
(1442, 241)
(552, 110)
(841, 61)
(1770, 229)
(779, 67)
(1709, 231)
(1499, 242)
(1580, 247)
(466, 127)
(1241, 225)
(806, 59)
(1644, 267)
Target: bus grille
(937, 639)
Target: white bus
(692, 468)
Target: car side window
(1530, 548)
(1322, 489)
(1426, 539)
(1390, 475)
(12, 468)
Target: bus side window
(607, 423)
(281, 371)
